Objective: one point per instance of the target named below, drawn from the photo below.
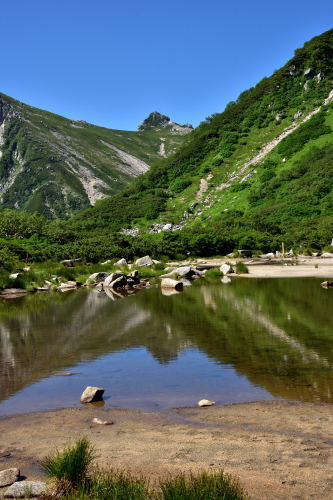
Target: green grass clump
(205, 486)
(70, 465)
(111, 485)
(242, 268)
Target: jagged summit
(156, 119)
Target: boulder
(144, 261)
(170, 283)
(327, 255)
(134, 274)
(308, 73)
(131, 281)
(26, 489)
(68, 285)
(167, 227)
(297, 115)
(226, 269)
(9, 476)
(121, 262)
(98, 277)
(91, 394)
(14, 276)
(119, 282)
(112, 277)
(206, 402)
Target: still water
(251, 339)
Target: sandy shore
(302, 267)
(277, 449)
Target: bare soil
(277, 449)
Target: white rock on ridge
(9, 476)
(91, 394)
(206, 402)
(26, 489)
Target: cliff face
(56, 166)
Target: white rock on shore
(9, 476)
(91, 394)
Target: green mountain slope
(254, 176)
(56, 166)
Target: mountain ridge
(55, 165)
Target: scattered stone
(106, 262)
(91, 394)
(101, 422)
(26, 489)
(226, 269)
(144, 261)
(9, 476)
(121, 262)
(206, 402)
(170, 283)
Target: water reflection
(275, 333)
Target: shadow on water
(277, 334)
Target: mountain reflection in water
(252, 338)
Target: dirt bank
(277, 449)
(302, 267)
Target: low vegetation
(73, 477)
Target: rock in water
(206, 402)
(9, 476)
(169, 283)
(26, 489)
(144, 261)
(226, 269)
(91, 394)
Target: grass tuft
(204, 486)
(70, 465)
(242, 268)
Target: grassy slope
(48, 159)
(286, 197)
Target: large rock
(91, 394)
(170, 283)
(119, 282)
(121, 262)
(269, 255)
(144, 261)
(26, 489)
(226, 269)
(327, 255)
(112, 277)
(98, 277)
(9, 476)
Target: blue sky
(113, 62)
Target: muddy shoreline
(277, 449)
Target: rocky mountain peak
(156, 119)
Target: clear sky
(112, 62)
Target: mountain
(55, 166)
(258, 174)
